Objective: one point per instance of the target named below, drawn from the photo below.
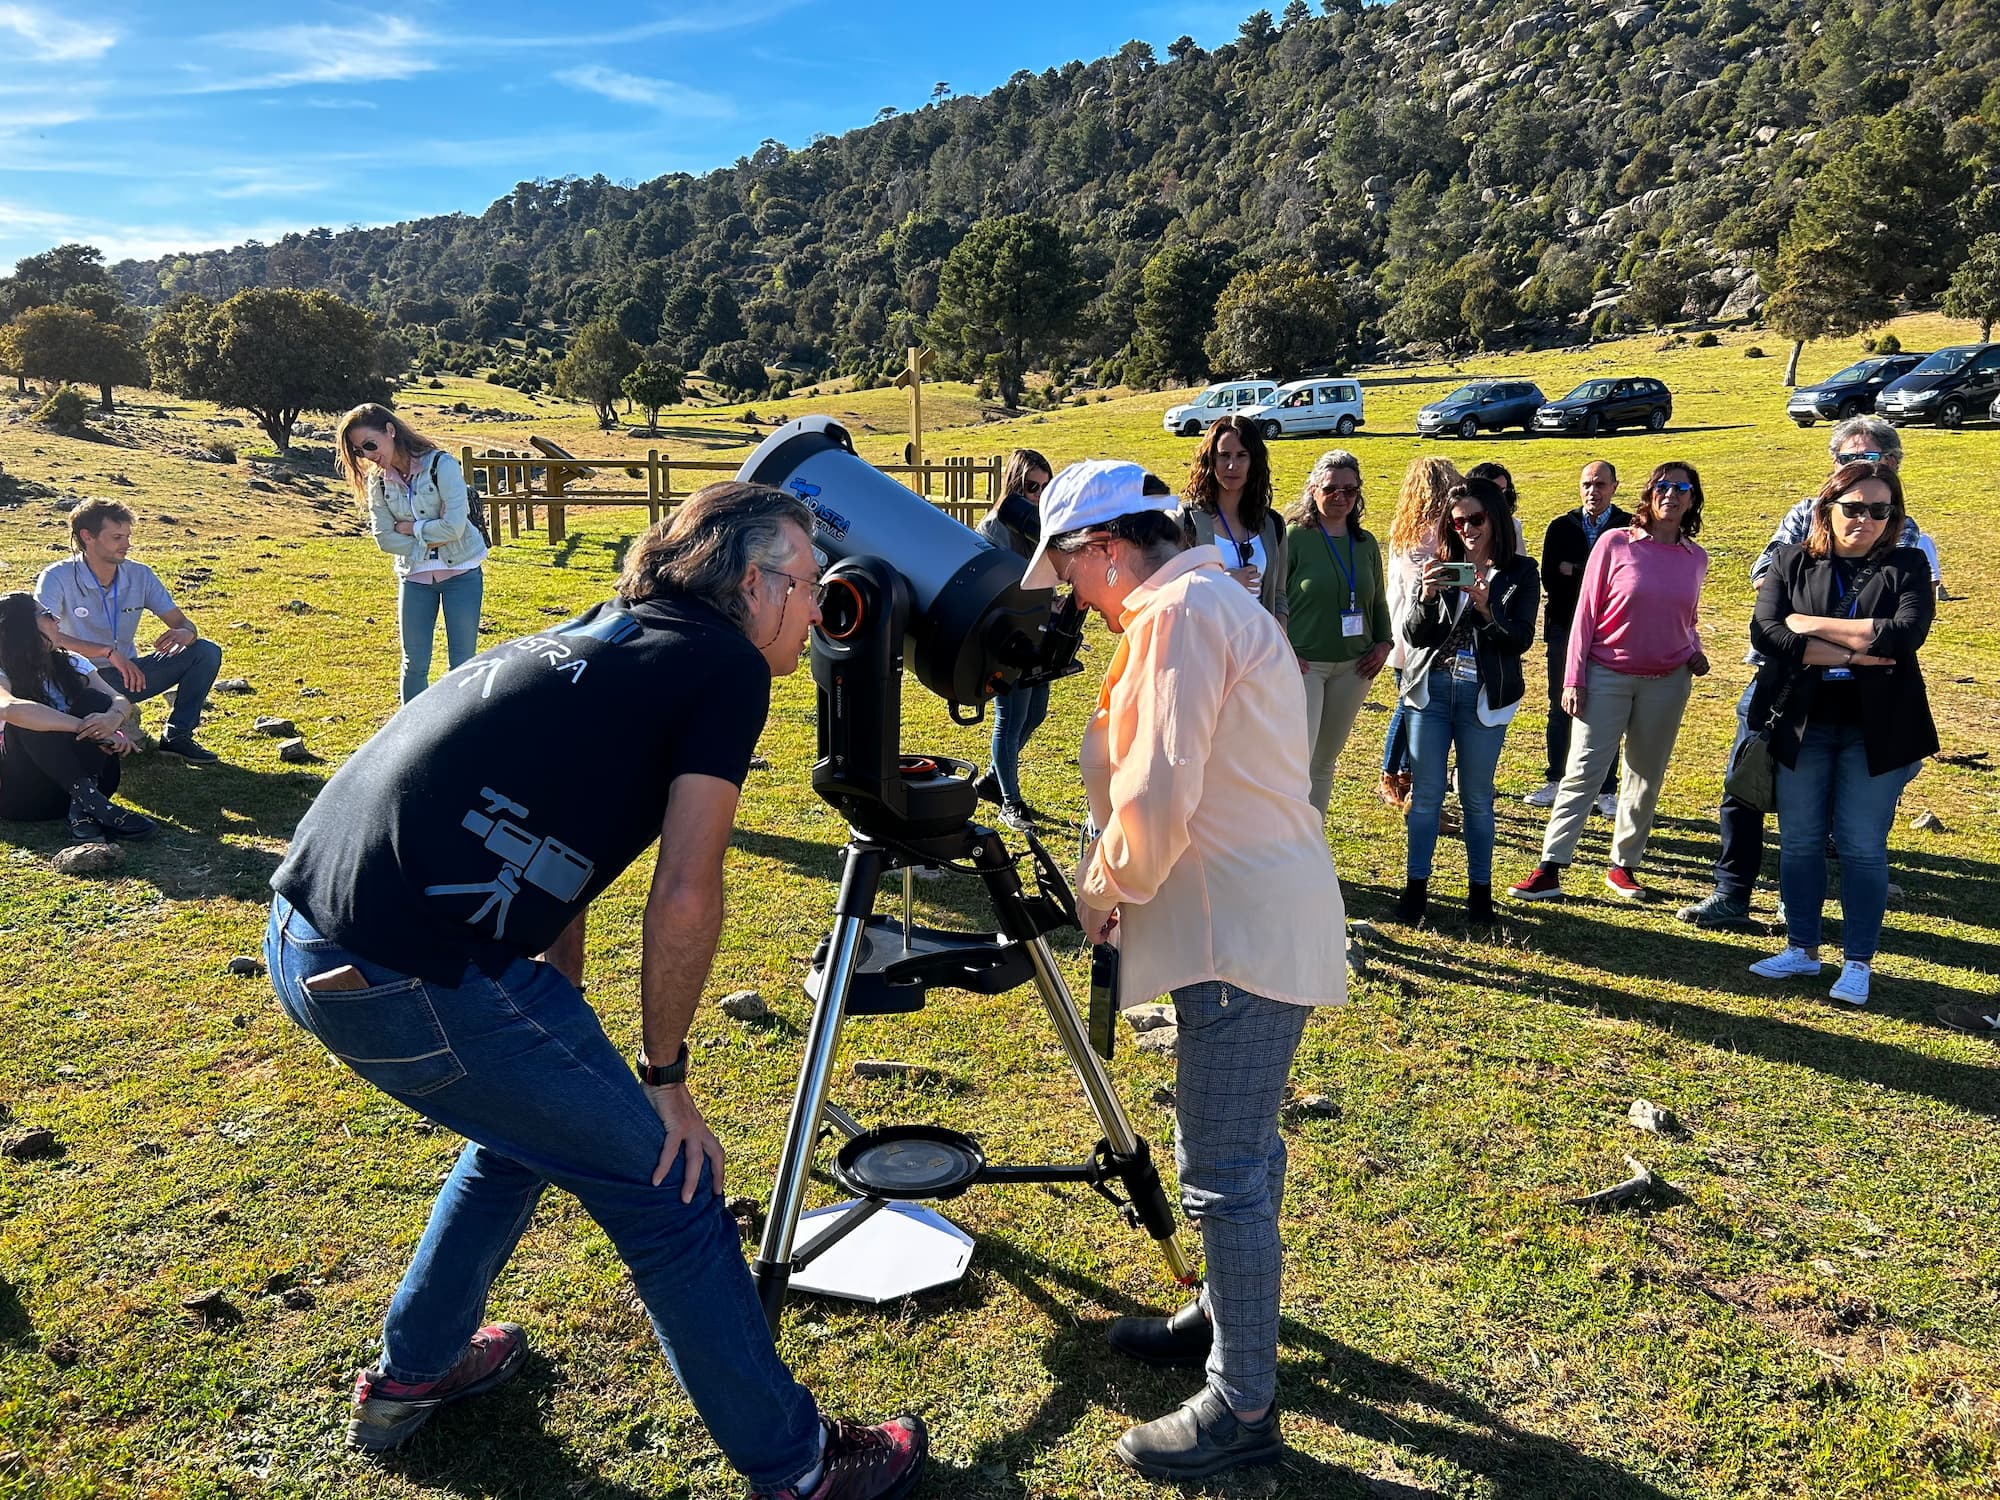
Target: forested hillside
(1429, 171)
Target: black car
(1946, 388)
(1852, 392)
(1491, 404)
(1601, 405)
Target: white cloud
(323, 54)
(35, 228)
(52, 38)
(647, 93)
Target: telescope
(908, 589)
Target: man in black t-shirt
(428, 930)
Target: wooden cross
(912, 379)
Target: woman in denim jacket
(421, 515)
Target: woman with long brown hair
(1018, 712)
(1839, 622)
(420, 514)
(1227, 505)
(1413, 539)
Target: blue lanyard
(1840, 588)
(1346, 568)
(109, 602)
(1242, 548)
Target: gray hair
(1304, 510)
(708, 544)
(1883, 438)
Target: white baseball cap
(1089, 493)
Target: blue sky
(145, 128)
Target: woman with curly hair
(1227, 505)
(1413, 540)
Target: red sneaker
(1543, 885)
(387, 1412)
(866, 1463)
(1623, 884)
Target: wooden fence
(513, 485)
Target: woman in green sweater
(1339, 608)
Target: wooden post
(558, 516)
(667, 483)
(917, 361)
(653, 485)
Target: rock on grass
(30, 1145)
(87, 859)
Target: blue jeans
(1017, 714)
(1742, 858)
(1231, 1064)
(460, 599)
(192, 670)
(521, 1067)
(1830, 788)
(1451, 717)
(1396, 742)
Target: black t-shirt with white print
(497, 803)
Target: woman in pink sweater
(1634, 652)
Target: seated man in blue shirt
(98, 596)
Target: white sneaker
(1852, 986)
(1607, 805)
(1543, 795)
(1793, 963)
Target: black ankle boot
(1416, 898)
(1179, 1342)
(1479, 905)
(88, 805)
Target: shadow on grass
(1318, 1376)
(16, 1327)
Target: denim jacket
(438, 505)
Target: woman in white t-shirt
(420, 514)
(1226, 505)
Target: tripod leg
(772, 1269)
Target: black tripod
(904, 812)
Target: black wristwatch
(653, 1076)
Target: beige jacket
(1195, 766)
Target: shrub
(221, 450)
(437, 385)
(1888, 344)
(1753, 352)
(1706, 341)
(67, 410)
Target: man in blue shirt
(98, 597)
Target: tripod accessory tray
(908, 1162)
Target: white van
(1218, 401)
(1326, 403)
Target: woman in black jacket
(1839, 620)
(1462, 683)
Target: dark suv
(1852, 392)
(1601, 405)
(1492, 404)
(1950, 386)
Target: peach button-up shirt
(1195, 766)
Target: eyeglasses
(1031, 487)
(1672, 487)
(1468, 523)
(1341, 491)
(43, 613)
(370, 446)
(818, 589)
(1874, 510)
(1869, 456)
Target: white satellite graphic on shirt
(544, 863)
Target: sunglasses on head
(1468, 523)
(1874, 510)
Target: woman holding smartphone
(1472, 616)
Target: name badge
(1350, 623)
(1838, 674)
(1465, 667)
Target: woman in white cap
(1211, 872)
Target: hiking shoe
(1793, 963)
(1717, 910)
(1543, 885)
(882, 1462)
(181, 743)
(1623, 884)
(1181, 1342)
(387, 1412)
(1852, 986)
(1543, 795)
(1980, 1020)
(1201, 1437)
(1607, 805)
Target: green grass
(1814, 1316)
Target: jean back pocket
(387, 1033)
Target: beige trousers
(1334, 695)
(1643, 712)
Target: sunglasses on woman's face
(1874, 510)
(1341, 491)
(1672, 487)
(1031, 487)
(1468, 523)
(368, 447)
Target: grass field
(1814, 1314)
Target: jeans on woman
(520, 1066)
(459, 597)
(1231, 1064)
(1017, 714)
(1830, 788)
(1396, 742)
(1451, 717)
